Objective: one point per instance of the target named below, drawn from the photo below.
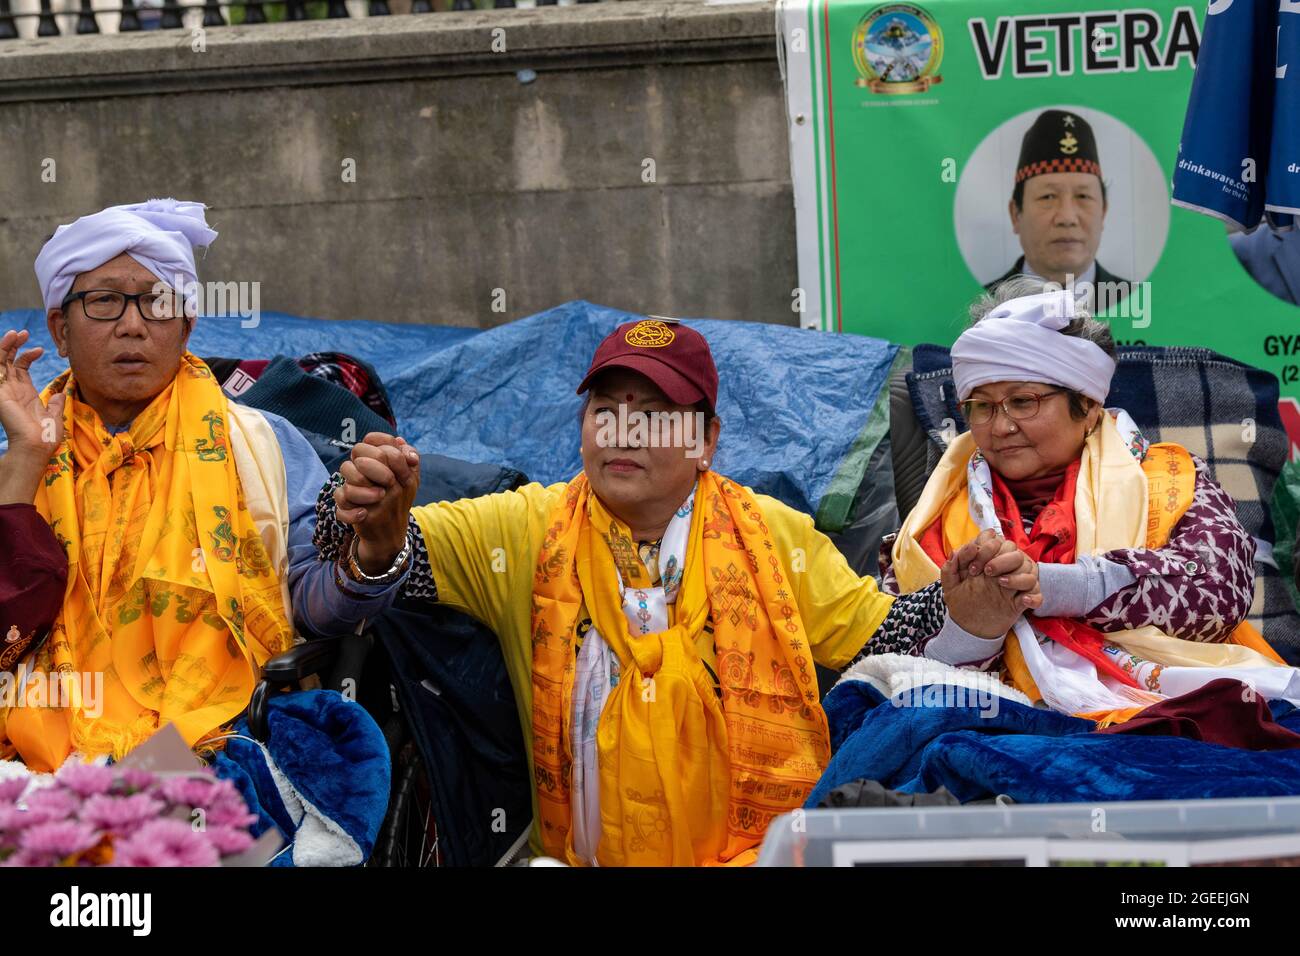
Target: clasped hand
(988, 583)
(380, 480)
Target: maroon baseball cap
(676, 358)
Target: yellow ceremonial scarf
(170, 596)
(1119, 503)
(685, 779)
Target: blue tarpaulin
(386, 345)
(801, 410)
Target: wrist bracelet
(354, 571)
(341, 581)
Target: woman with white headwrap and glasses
(1145, 572)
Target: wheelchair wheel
(409, 837)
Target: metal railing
(170, 16)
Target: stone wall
(633, 154)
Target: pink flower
(220, 801)
(189, 791)
(166, 843)
(133, 781)
(230, 814)
(27, 858)
(128, 853)
(12, 823)
(85, 779)
(120, 814)
(203, 792)
(229, 840)
(49, 804)
(61, 839)
(13, 819)
(12, 789)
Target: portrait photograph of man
(1058, 204)
(1065, 194)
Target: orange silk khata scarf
(170, 596)
(684, 778)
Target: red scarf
(1051, 540)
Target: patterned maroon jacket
(33, 573)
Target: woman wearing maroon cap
(660, 623)
(33, 567)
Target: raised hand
(34, 430)
(380, 482)
(988, 583)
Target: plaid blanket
(1219, 409)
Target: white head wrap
(159, 234)
(1020, 341)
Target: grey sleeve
(1072, 590)
(957, 646)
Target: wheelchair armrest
(291, 667)
(297, 663)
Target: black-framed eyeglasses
(1018, 406)
(109, 305)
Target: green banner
(911, 123)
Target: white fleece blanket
(894, 675)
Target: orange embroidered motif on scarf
(170, 596)
(685, 778)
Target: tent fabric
(796, 405)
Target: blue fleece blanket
(333, 758)
(1035, 756)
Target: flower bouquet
(92, 815)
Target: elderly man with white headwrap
(1145, 572)
(187, 518)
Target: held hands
(34, 429)
(379, 488)
(988, 583)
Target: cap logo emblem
(650, 335)
(1069, 145)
